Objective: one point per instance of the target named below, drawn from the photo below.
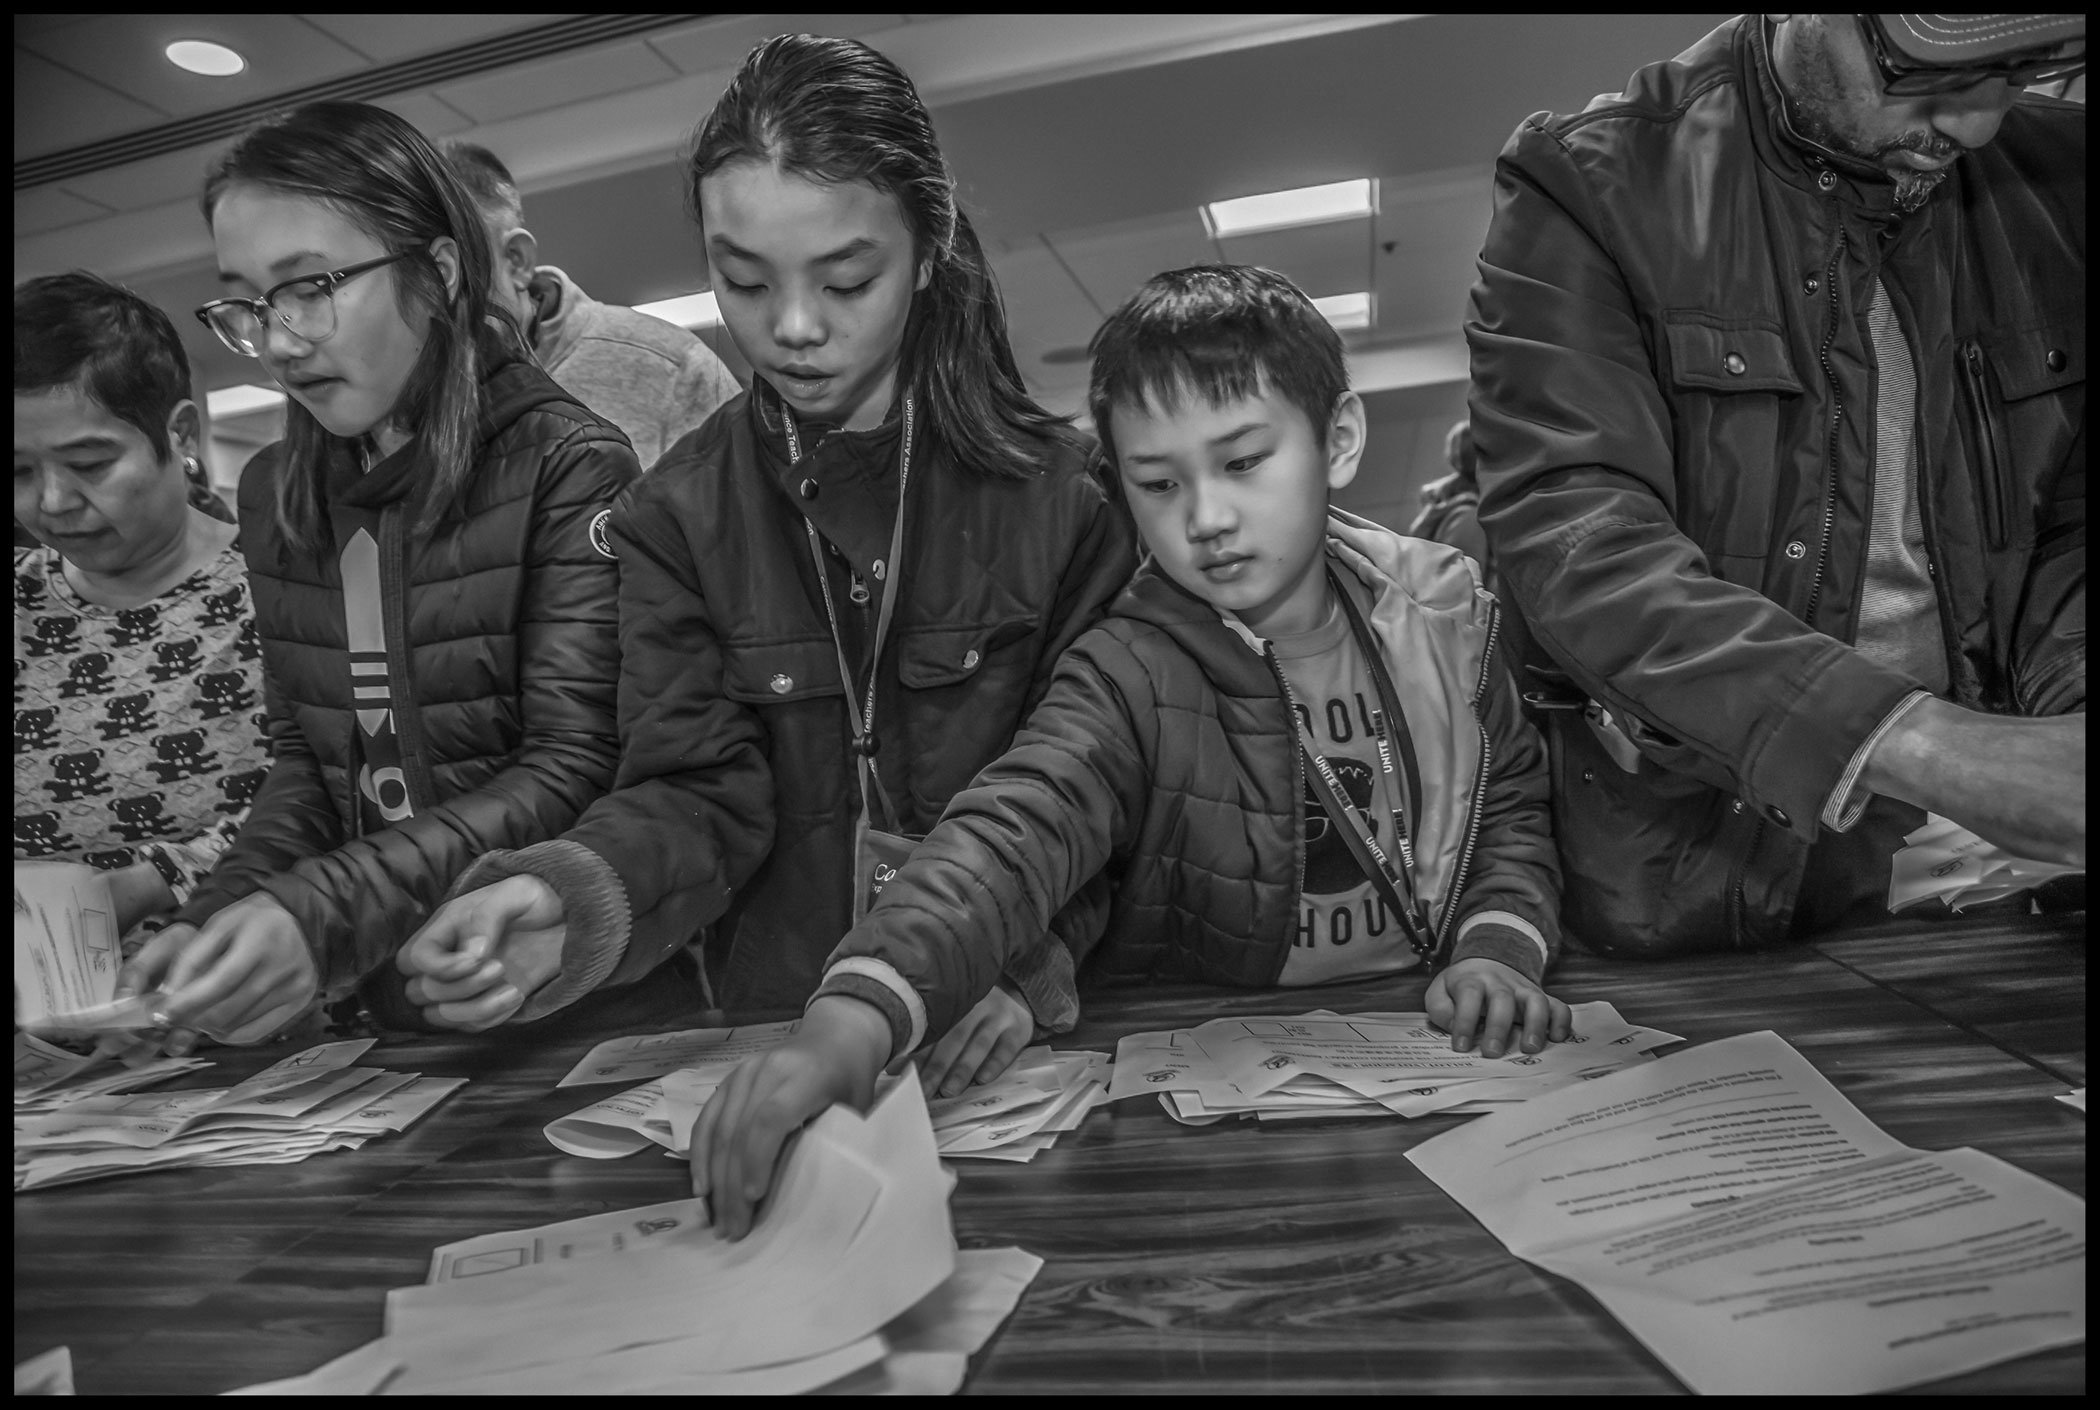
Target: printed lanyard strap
(865, 742)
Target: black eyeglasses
(305, 305)
(1901, 78)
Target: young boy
(1292, 747)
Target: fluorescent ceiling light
(1345, 311)
(1275, 210)
(244, 400)
(203, 56)
(687, 311)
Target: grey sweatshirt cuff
(1494, 940)
(594, 909)
(872, 991)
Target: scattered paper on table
(1945, 861)
(1760, 1235)
(309, 1103)
(647, 1055)
(2074, 1100)
(1320, 1064)
(49, 1373)
(1021, 1113)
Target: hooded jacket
(1673, 396)
(500, 663)
(737, 797)
(1164, 760)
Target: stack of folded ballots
(1368, 1064)
(850, 1281)
(72, 1126)
(1023, 1112)
(1945, 861)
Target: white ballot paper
(646, 1055)
(1760, 1235)
(66, 956)
(1945, 861)
(2074, 1100)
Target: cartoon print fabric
(138, 733)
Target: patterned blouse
(138, 733)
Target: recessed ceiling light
(203, 56)
(1275, 210)
(687, 311)
(229, 402)
(1345, 311)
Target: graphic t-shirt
(1346, 929)
(138, 732)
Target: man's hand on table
(2019, 783)
(982, 1046)
(1487, 999)
(482, 955)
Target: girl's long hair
(834, 110)
(386, 179)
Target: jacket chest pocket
(1737, 405)
(934, 657)
(2024, 395)
(780, 672)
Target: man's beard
(1819, 115)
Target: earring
(192, 467)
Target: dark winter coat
(1673, 397)
(502, 660)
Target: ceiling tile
(125, 52)
(1112, 260)
(387, 38)
(55, 109)
(431, 116)
(174, 176)
(722, 41)
(1334, 258)
(530, 88)
(1436, 232)
(43, 208)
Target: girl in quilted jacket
(840, 596)
(436, 623)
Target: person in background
(1783, 463)
(1451, 506)
(436, 615)
(652, 379)
(838, 598)
(1292, 745)
(138, 678)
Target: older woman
(138, 679)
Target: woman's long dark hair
(835, 110)
(386, 178)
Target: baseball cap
(1969, 41)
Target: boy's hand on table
(239, 977)
(834, 1056)
(481, 955)
(1489, 996)
(981, 1046)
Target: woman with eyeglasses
(425, 551)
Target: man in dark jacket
(1778, 383)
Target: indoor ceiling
(1084, 145)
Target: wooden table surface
(1298, 1256)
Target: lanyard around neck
(865, 742)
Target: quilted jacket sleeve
(1516, 868)
(360, 901)
(691, 814)
(1578, 500)
(1011, 849)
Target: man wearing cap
(1779, 394)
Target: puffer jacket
(1673, 398)
(737, 796)
(502, 657)
(1164, 759)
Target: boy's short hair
(487, 180)
(80, 329)
(1221, 332)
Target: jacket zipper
(1993, 468)
(1480, 783)
(1268, 654)
(1837, 416)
